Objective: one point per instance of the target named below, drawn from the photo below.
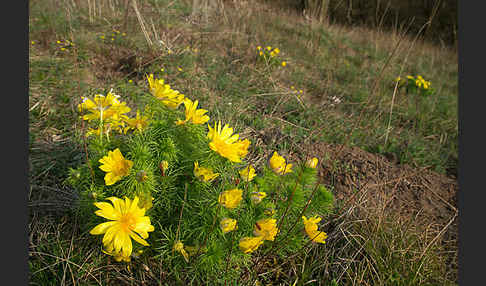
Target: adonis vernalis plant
(180, 187)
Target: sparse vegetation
(337, 91)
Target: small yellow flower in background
(179, 246)
(130, 81)
(292, 87)
(228, 224)
(179, 69)
(250, 244)
(272, 54)
(276, 50)
(226, 144)
(284, 63)
(269, 211)
(310, 226)
(248, 173)
(139, 122)
(312, 163)
(231, 198)
(398, 79)
(260, 53)
(409, 77)
(278, 164)
(146, 201)
(33, 42)
(269, 48)
(63, 49)
(257, 197)
(301, 91)
(117, 255)
(259, 48)
(266, 228)
(204, 174)
(127, 221)
(102, 37)
(164, 164)
(162, 69)
(116, 166)
(171, 98)
(92, 131)
(58, 41)
(124, 34)
(196, 116)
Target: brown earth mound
(416, 194)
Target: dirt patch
(410, 190)
(415, 194)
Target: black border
(471, 143)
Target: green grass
(224, 75)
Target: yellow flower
(247, 173)
(204, 174)
(231, 198)
(139, 122)
(276, 50)
(116, 166)
(284, 63)
(269, 211)
(103, 107)
(310, 226)
(146, 201)
(179, 246)
(250, 244)
(259, 48)
(171, 98)
(257, 197)
(226, 144)
(117, 255)
(266, 228)
(127, 221)
(272, 54)
(228, 224)
(33, 42)
(102, 37)
(260, 53)
(398, 79)
(312, 163)
(193, 114)
(269, 48)
(278, 164)
(92, 131)
(409, 77)
(130, 81)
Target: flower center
(127, 222)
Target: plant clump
(179, 186)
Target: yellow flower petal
(102, 228)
